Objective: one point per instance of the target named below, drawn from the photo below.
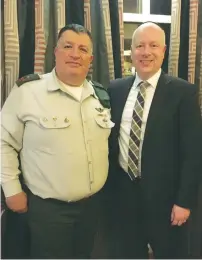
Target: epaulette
(102, 94)
(27, 78)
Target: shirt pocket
(49, 134)
(54, 122)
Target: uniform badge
(99, 109)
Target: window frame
(146, 15)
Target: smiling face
(148, 50)
(73, 57)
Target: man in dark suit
(154, 154)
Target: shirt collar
(87, 86)
(152, 81)
(58, 84)
(54, 84)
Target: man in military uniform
(58, 123)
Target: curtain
(3, 94)
(11, 45)
(185, 56)
(29, 35)
(185, 61)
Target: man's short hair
(77, 28)
(158, 24)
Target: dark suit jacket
(171, 152)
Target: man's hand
(179, 215)
(18, 202)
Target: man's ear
(131, 52)
(55, 50)
(91, 58)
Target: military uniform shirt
(63, 143)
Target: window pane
(132, 6)
(162, 7)
(129, 28)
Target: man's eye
(67, 46)
(139, 46)
(84, 50)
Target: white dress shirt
(127, 117)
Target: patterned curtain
(185, 57)
(29, 34)
(3, 94)
(185, 61)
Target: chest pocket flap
(54, 122)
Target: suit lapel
(159, 100)
(123, 95)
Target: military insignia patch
(27, 78)
(102, 94)
(99, 109)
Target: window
(138, 11)
(132, 6)
(160, 7)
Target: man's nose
(75, 53)
(147, 50)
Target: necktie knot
(143, 85)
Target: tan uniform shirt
(63, 142)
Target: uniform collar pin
(99, 109)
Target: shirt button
(89, 162)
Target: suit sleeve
(12, 130)
(190, 124)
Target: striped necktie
(135, 132)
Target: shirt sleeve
(12, 130)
